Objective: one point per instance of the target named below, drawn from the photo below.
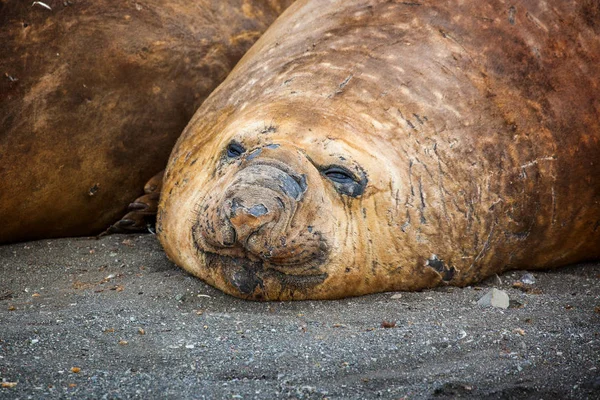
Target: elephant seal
(93, 95)
(367, 146)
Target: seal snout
(255, 210)
(259, 226)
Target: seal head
(266, 221)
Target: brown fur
(94, 94)
(477, 124)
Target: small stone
(528, 279)
(388, 324)
(496, 279)
(494, 298)
(518, 285)
(75, 370)
(397, 296)
(519, 331)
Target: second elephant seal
(93, 95)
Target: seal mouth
(246, 275)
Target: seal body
(93, 95)
(367, 146)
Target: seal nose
(247, 220)
(256, 208)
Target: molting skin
(370, 146)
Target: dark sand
(85, 303)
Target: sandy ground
(113, 318)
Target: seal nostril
(258, 210)
(235, 204)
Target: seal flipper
(141, 214)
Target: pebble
(528, 279)
(494, 298)
(496, 279)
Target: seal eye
(344, 181)
(339, 175)
(234, 150)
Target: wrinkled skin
(94, 94)
(367, 146)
